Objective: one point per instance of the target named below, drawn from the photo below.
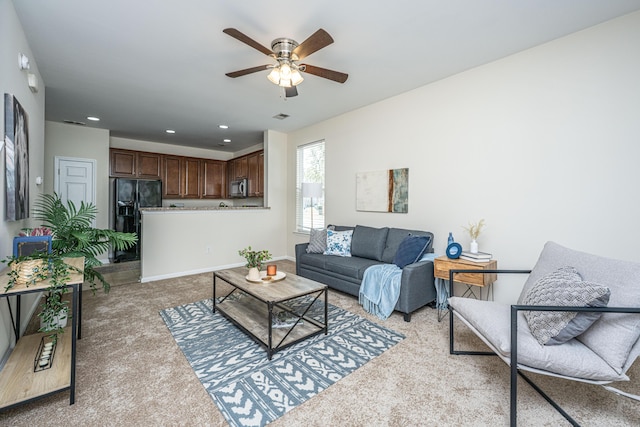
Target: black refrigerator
(130, 196)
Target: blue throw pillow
(411, 250)
(339, 243)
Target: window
(310, 169)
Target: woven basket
(27, 271)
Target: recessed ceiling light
(93, 119)
(223, 126)
(281, 116)
(226, 140)
(170, 131)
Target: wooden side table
(441, 268)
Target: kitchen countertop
(201, 208)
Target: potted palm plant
(73, 235)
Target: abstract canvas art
(16, 140)
(383, 191)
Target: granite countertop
(203, 208)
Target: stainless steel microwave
(238, 188)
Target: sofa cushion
(492, 321)
(316, 260)
(411, 250)
(339, 243)
(395, 237)
(369, 242)
(613, 335)
(318, 240)
(353, 267)
(563, 287)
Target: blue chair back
(26, 245)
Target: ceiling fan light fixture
(285, 82)
(296, 78)
(274, 75)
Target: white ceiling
(146, 66)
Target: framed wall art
(383, 191)
(16, 139)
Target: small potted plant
(29, 270)
(474, 230)
(254, 261)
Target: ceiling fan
(287, 52)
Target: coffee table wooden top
(290, 287)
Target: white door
(75, 180)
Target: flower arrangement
(38, 231)
(254, 258)
(474, 229)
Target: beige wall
(14, 81)
(188, 242)
(543, 145)
(73, 141)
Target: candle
(271, 270)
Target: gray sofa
(371, 246)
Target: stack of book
(477, 257)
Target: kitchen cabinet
(134, 164)
(191, 178)
(171, 177)
(261, 174)
(255, 173)
(181, 177)
(214, 179)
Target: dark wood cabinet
(134, 164)
(255, 173)
(190, 178)
(261, 174)
(214, 179)
(171, 177)
(149, 165)
(122, 163)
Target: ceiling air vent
(281, 116)
(73, 122)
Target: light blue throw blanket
(380, 289)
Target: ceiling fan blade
(247, 40)
(314, 43)
(290, 92)
(246, 71)
(336, 76)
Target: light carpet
(251, 390)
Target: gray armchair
(559, 338)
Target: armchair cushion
(563, 287)
(492, 321)
(613, 335)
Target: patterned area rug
(251, 390)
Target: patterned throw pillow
(411, 250)
(339, 243)
(563, 287)
(318, 240)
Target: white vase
(473, 247)
(254, 273)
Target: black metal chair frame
(514, 341)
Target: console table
(18, 382)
